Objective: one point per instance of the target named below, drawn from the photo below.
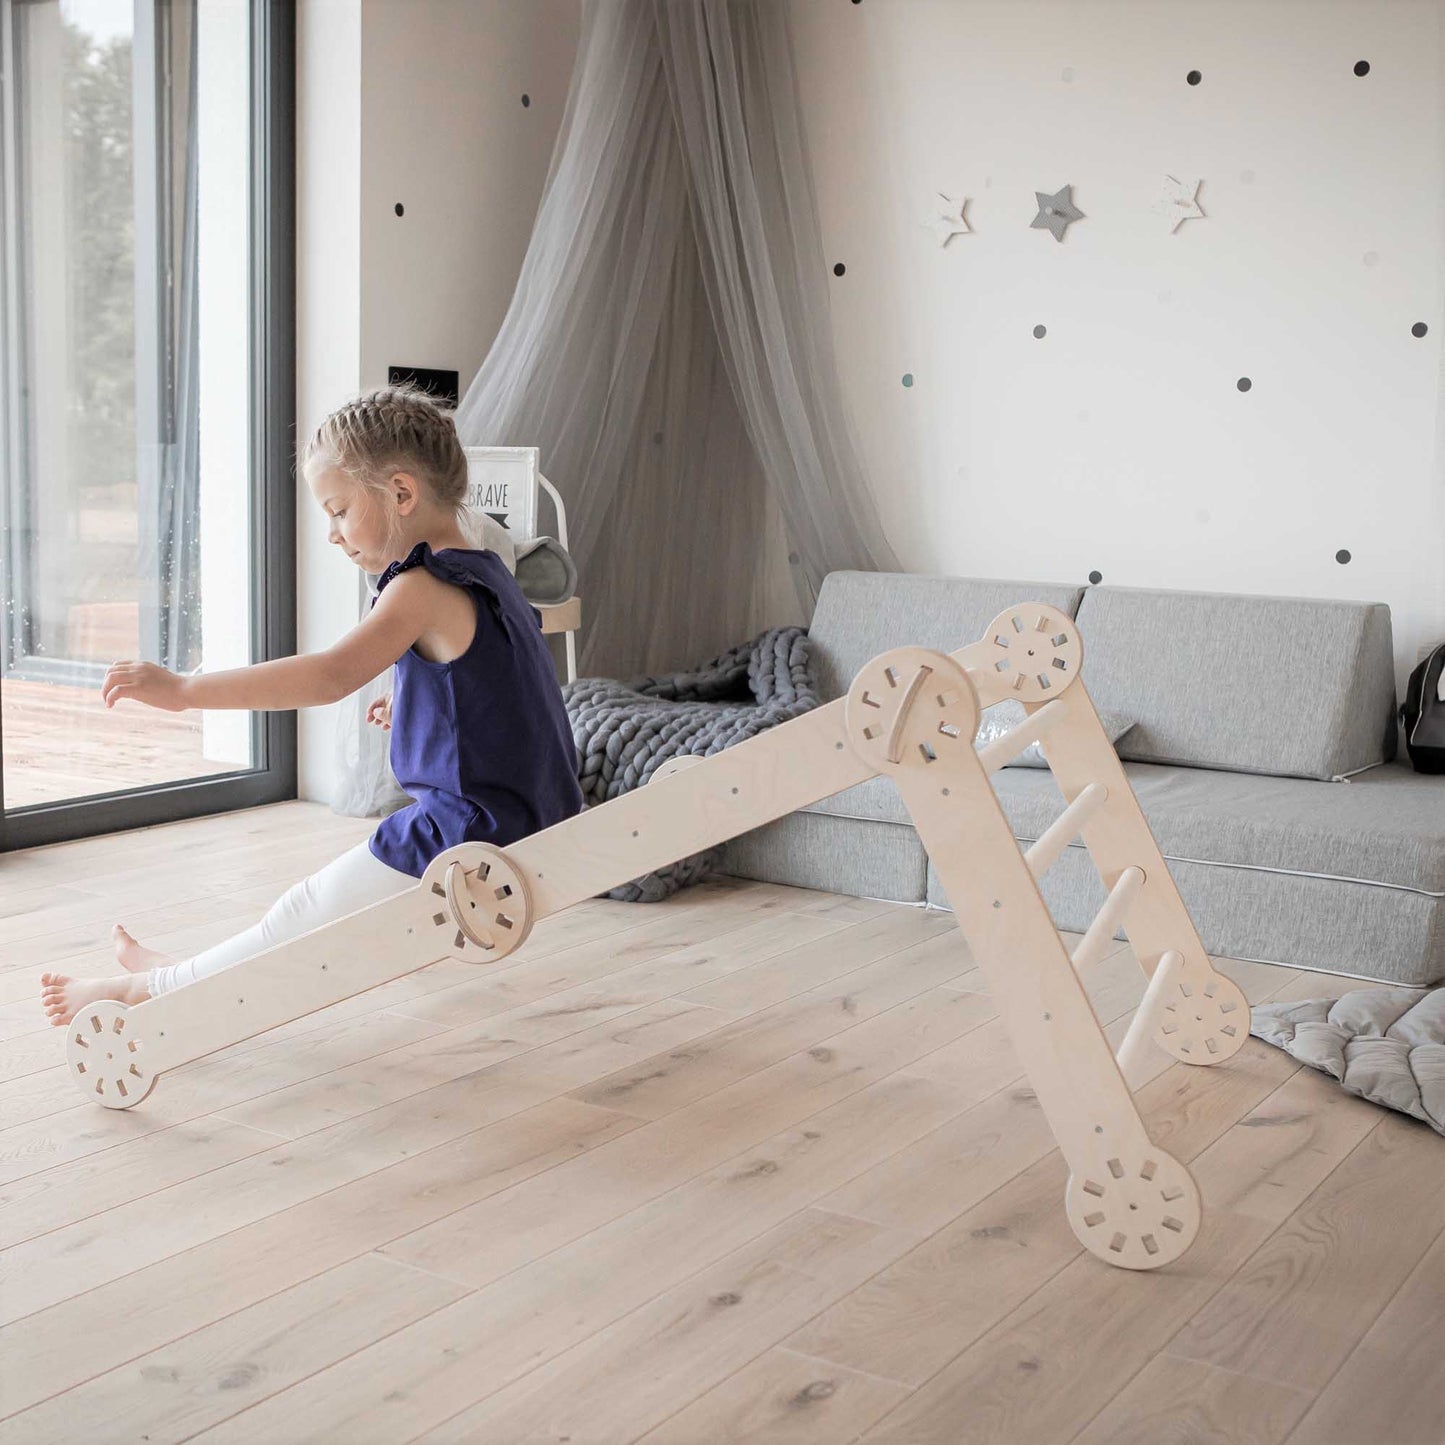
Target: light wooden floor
(753, 1165)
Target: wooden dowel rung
(1141, 1026)
(1061, 832)
(1101, 932)
(1002, 751)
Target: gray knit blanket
(625, 731)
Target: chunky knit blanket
(1384, 1044)
(625, 731)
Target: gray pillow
(1002, 717)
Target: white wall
(1119, 442)
(417, 103)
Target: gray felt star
(1055, 212)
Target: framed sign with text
(502, 482)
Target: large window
(146, 399)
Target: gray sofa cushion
(1386, 826)
(1393, 934)
(1348, 877)
(860, 614)
(1253, 684)
(834, 855)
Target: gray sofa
(1262, 755)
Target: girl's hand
(146, 682)
(380, 712)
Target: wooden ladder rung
(1145, 1020)
(1002, 751)
(1100, 935)
(1061, 832)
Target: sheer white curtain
(668, 350)
(668, 346)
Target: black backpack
(1424, 714)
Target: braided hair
(393, 429)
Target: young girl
(479, 734)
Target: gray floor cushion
(1385, 1044)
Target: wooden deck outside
(62, 742)
(756, 1164)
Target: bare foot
(135, 957)
(62, 998)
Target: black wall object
(440, 384)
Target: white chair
(502, 487)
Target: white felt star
(946, 219)
(1178, 203)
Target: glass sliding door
(147, 401)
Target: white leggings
(354, 880)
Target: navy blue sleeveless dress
(482, 742)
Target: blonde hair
(393, 429)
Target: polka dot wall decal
(1041, 331)
(1362, 67)
(1244, 383)
(526, 101)
(1194, 77)
(1096, 577)
(908, 378)
(1246, 178)
(1342, 556)
(839, 269)
(1419, 329)
(1371, 258)
(1067, 73)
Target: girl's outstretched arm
(307, 680)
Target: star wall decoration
(1055, 212)
(946, 219)
(1178, 203)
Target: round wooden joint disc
(1203, 1018)
(1134, 1211)
(1036, 648)
(106, 1056)
(911, 705)
(481, 899)
(673, 766)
